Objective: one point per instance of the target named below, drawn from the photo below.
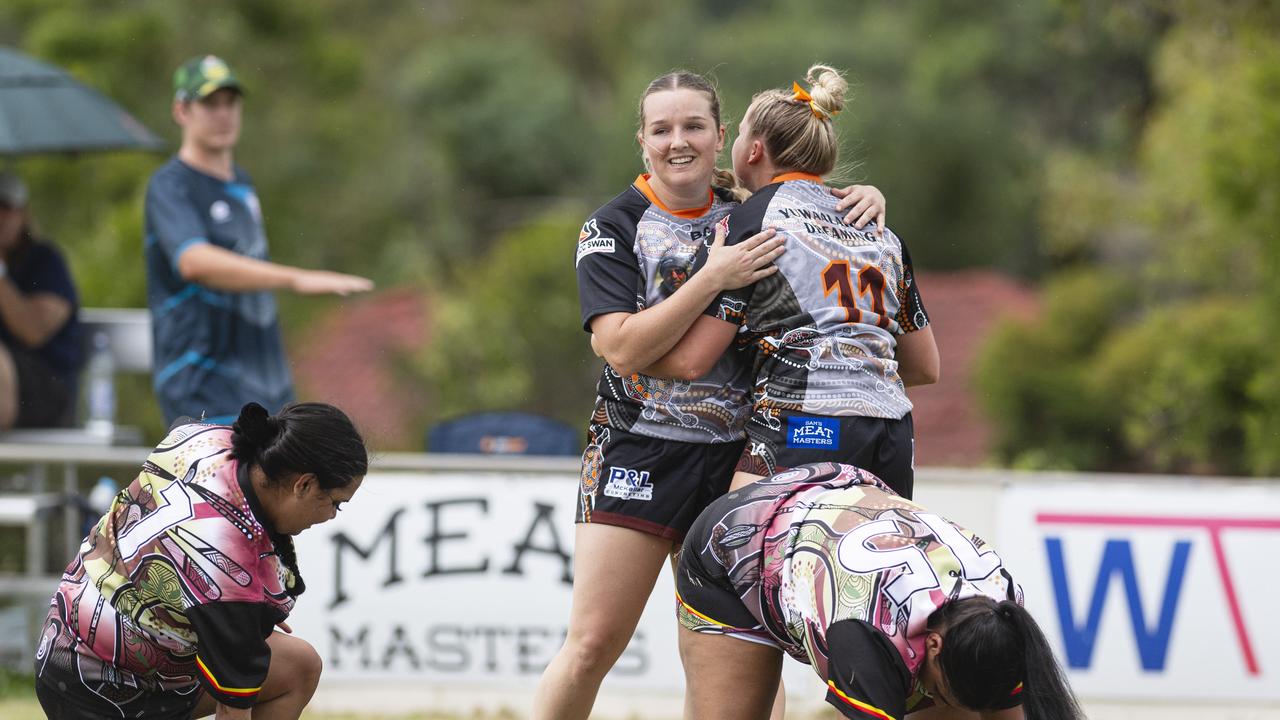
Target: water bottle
(102, 495)
(102, 389)
(97, 504)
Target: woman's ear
(933, 644)
(644, 150)
(756, 153)
(720, 140)
(304, 483)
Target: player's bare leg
(291, 681)
(779, 711)
(742, 479)
(614, 571)
(728, 679)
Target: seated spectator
(40, 346)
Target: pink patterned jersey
(178, 585)
(809, 549)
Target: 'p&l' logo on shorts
(629, 484)
(813, 433)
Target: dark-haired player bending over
(896, 608)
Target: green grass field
(28, 709)
(18, 702)
(18, 708)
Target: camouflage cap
(200, 77)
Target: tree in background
(500, 340)
(1180, 375)
(412, 142)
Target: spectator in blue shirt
(217, 341)
(40, 346)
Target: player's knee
(307, 666)
(313, 667)
(594, 651)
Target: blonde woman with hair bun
(841, 329)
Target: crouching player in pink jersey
(168, 610)
(895, 607)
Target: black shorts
(706, 600)
(648, 484)
(44, 400)
(65, 695)
(782, 440)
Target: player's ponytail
(993, 651)
(1046, 693)
(796, 125)
(727, 182)
(302, 438)
(253, 431)
(311, 438)
(294, 584)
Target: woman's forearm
(697, 352)
(637, 340)
(34, 319)
(632, 341)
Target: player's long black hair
(303, 438)
(989, 648)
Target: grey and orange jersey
(632, 254)
(826, 323)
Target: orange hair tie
(799, 94)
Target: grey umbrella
(45, 110)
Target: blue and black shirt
(214, 351)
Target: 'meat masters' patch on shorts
(813, 432)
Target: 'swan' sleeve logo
(590, 241)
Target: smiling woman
(658, 450)
(170, 606)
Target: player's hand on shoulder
(739, 265)
(324, 282)
(864, 203)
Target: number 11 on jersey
(838, 276)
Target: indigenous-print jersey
(823, 553)
(632, 254)
(826, 322)
(178, 584)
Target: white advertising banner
(1146, 591)
(1159, 593)
(459, 577)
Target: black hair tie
(1004, 611)
(256, 425)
